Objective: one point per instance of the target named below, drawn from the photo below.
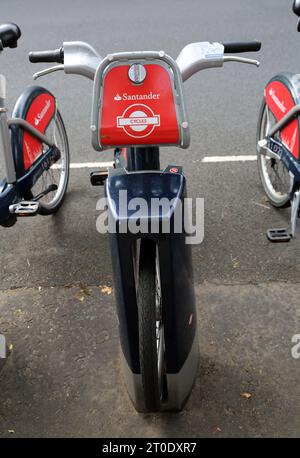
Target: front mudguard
(37, 106)
(282, 94)
(180, 321)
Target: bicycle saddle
(296, 7)
(9, 35)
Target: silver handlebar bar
(82, 59)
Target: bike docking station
(148, 115)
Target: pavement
(57, 310)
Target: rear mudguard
(180, 321)
(282, 93)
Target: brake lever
(242, 60)
(48, 70)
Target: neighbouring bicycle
(278, 145)
(138, 106)
(35, 149)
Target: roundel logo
(174, 170)
(138, 120)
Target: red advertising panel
(137, 114)
(39, 115)
(280, 101)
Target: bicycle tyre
(147, 313)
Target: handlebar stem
(80, 58)
(199, 56)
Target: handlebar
(57, 55)
(242, 46)
(77, 57)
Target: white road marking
(207, 159)
(215, 159)
(85, 165)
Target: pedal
(98, 178)
(25, 208)
(278, 235)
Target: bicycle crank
(51, 188)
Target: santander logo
(130, 97)
(42, 114)
(278, 102)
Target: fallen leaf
(106, 289)
(261, 205)
(246, 395)
(84, 289)
(11, 347)
(235, 262)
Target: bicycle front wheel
(151, 328)
(274, 175)
(58, 173)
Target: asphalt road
(63, 375)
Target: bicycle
(278, 146)
(35, 149)
(138, 106)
